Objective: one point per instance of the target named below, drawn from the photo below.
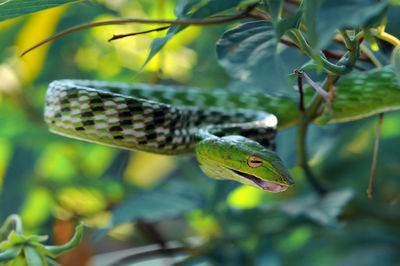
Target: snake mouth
(265, 185)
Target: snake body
(232, 134)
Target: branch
(242, 14)
(314, 85)
(120, 36)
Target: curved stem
(386, 37)
(347, 41)
(13, 218)
(244, 13)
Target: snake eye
(254, 162)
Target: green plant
(325, 41)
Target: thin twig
(120, 36)
(242, 14)
(300, 86)
(375, 157)
(315, 86)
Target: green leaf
(16, 239)
(323, 210)
(396, 62)
(249, 53)
(210, 8)
(17, 8)
(322, 22)
(183, 7)
(394, 2)
(10, 253)
(55, 251)
(274, 8)
(51, 262)
(311, 8)
(5, 245)
(16, 181)
(287, 23)
(33, 257)
(37, 238)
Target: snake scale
(233, 135)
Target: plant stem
(302, 154)
(304, 121)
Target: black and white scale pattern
(107, 113)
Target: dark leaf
(322, 22)
(287, 23)
(249, 53)
(311, 8)
(16, 181)
(183, 7)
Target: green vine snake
(232, 134)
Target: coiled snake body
(232, 135)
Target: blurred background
(133, 199)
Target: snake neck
(139, 124)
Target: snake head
(243, 160)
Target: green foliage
(249, 50)
(48, 178)
(182, 11)
(324, 17)
(15, 8)
(172, 199)
(34, 253)
(396, 61)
